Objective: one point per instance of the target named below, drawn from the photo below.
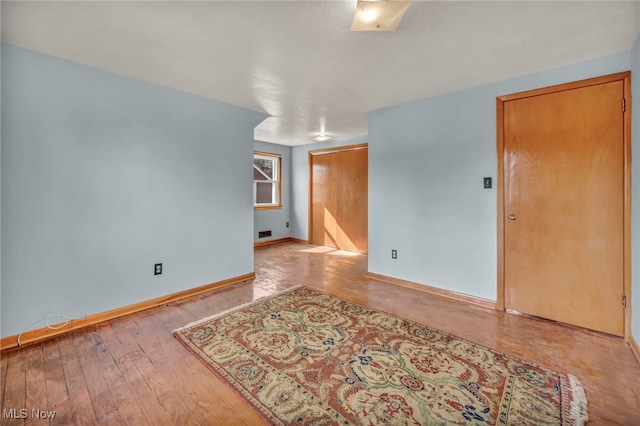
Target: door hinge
(624, 301)
(624, 105)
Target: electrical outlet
(157, 269)
(287, 224)
(394, 254)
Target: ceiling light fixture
(322, 137)
(379, 15)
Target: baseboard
(299, 240)
(434, 290)
(35, 336)
(270, 242)
(635, 348)
(278, 241)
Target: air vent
(264, 234)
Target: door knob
(512, 216)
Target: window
(266, 181)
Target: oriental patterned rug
(302, 357)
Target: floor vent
(263, 234)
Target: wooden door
(564, 180)
(339, 198)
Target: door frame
(625, 77)
(324, 151)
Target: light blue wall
(276, 219)
(635, 190)
(300, 182)
(427, 161)
(103, 176)
(0, 176)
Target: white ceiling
(298, 62)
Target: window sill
(267, 207)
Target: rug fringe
(579, 414)
(235, 308)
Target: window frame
(277, 181)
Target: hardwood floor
(131, 371)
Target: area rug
(302, 357)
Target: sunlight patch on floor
(344, 253)
(330, 250)
(319, 249)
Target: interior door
(339, 198)
(564, 205)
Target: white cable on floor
(49, 326)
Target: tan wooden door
(339, 198)
(564, 208)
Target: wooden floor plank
(3, 377)
(215, 408)
(132, 371)
(160, 376)
(154, 412)
(162, 383)
(78, 408)
(104, 403)
(128, 405)
(36, 393)
(123, 356)
(54, 381)
(15, 388)
(228, 408)
(180, 315)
